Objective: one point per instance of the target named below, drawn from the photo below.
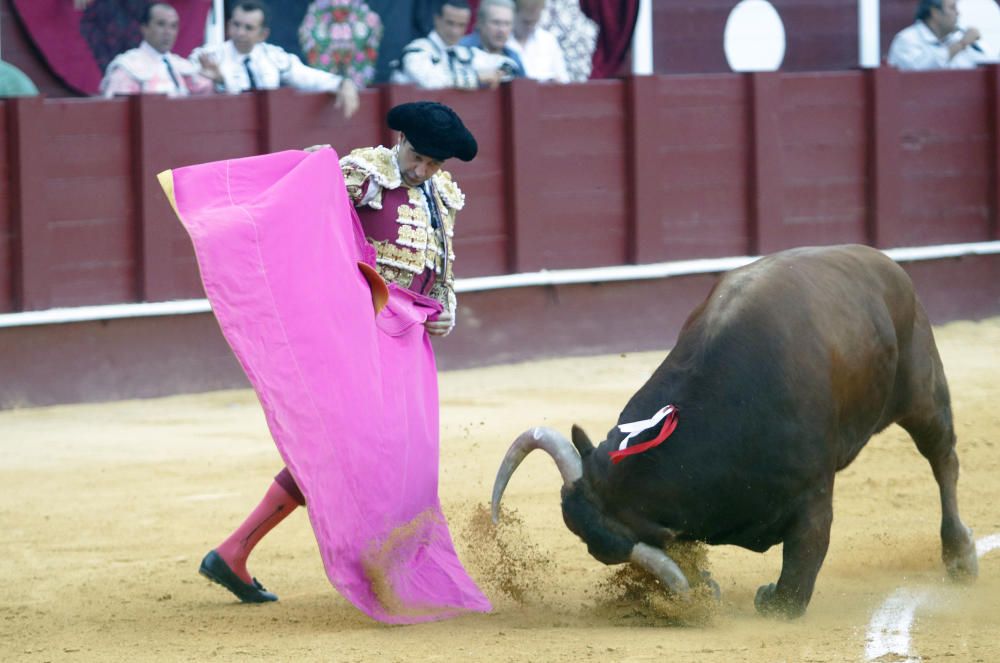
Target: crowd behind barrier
(68, 46)
(65, 51)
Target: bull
(776, 382)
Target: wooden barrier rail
(633, 171)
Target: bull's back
(809, 338)
(834, 319)
(826, 290)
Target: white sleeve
(420, 66)
(423, 67)
(195, 57)
(559, 63)
(297, 74)
(119, 80)
(231, 83)
(908, 53)
(483, 61)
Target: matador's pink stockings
(274, 508)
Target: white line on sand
(889, 629)
(987, 543)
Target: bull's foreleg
(805, 545)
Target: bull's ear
(582, 443)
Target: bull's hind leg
(935, 438)
(929, 423)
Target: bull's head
(606, 539)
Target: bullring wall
(619, 172)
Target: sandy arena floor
(107, 510)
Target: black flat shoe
(215, 569)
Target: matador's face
(415, 168)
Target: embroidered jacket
(399, 222)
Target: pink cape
(350, 397)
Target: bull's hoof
(770, 605)
(763, 601)
(964, 567)
(707, 578)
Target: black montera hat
(434, 130)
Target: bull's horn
(548, 440)
(660, 565)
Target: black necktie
(170, 70)
(253, 80)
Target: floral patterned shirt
(576, 34)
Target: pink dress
(350, 397)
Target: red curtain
(616, 22)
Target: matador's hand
(441, 326)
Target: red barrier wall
(155, 356)
(611, 172)
(6, 231)
(641, 170)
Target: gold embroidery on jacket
(418, 244)
(377, 166)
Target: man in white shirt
(152, 68)
(935, 41)
(440, 61)
(247, 62)
(538, 48)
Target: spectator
(494, 22)
(439, 61)
(247, 62)
(538, 48)
(935, 41)
(283, 23)
(14, 82)
(576, 34)
(152, 67)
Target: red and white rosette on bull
(667, 414)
